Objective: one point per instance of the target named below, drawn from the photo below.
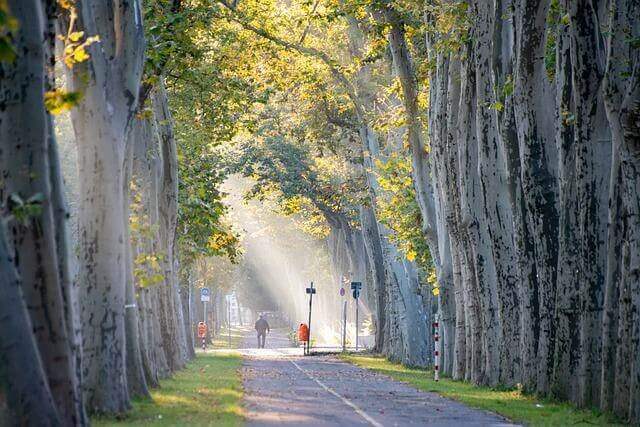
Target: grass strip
(511, 404)
(207, 392)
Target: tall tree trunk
(175, 341)
(31, 202)
(567, 349)
(592, 163)
(110, 82)
(186, 293)
(503, 60)
(28, 393)
(497, 215)
(475, 274)
(535, 124)
(443, 118)
(621, 391)
(376, 266)
(136, 381)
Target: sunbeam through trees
(474, 164)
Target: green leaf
(58, 101)
(7, 51)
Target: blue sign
(205, 295)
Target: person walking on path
(262, 327)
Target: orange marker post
(202, 333)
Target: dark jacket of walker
(262, 326)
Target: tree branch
(304, 50)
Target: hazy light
(286, 260)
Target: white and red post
(436, 353)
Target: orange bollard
(303, 333)
(202, 333)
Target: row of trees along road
(86, 342)
(471, 158)
(520, 122)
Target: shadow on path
(284, 388)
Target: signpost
(355, 290)
(205, 297)
(344, 325)
(310, 290)
(344, 282)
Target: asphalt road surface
(284, 388)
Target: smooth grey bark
(497, 213)
(567, 349)
(147, 342)
(548, 169)
(110, 82)
(534, 125)
(186, 293)
(28, 393)
(477, 311)
(173, 328)
(146, 174)
(34, 220)
(408, 330)
(403, 298)
(375, 263)
(61, 215)
(592, 162)
(475, 194)
(136, 381)
(443, 118)
(503, 65)
(620, 362)
(67, 284)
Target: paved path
(284, 388)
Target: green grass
(207, 392)
(222, 340)
(511, 404)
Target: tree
(109, 82)
(39, 299)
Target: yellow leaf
(65, 4)
(80, 55)
(76, 36)
(58, 101)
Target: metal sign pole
(357, 331)
(355, 288)
(344, 326)
(310, 290)
(204, 298)
(229, 320)
(310, 305)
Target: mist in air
(280, 261)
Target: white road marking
(346, 401)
